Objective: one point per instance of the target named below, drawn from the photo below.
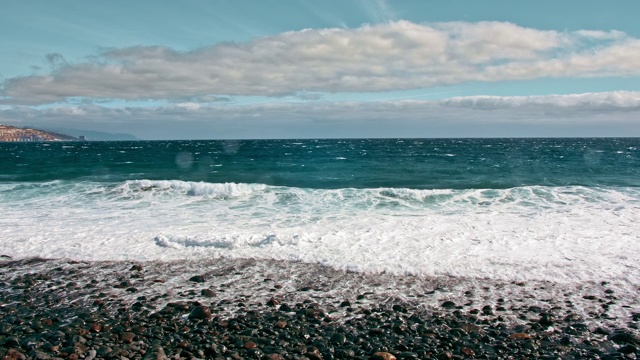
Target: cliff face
(11, 133)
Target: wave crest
(189, 188)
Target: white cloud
(384, 57)
(612, 101)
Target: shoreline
(254, 309)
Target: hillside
(12, 133)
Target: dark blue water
(361, 163)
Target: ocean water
(561, 210)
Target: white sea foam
(222, 190)
(563, 234)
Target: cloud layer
(594, 114)
(385, 57)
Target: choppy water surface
(565, 210)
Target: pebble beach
(263, 309)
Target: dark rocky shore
(236, 309)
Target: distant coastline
(10, 133)
(93, 135)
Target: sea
(562, 210)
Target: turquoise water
(333, 164)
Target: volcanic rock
(197, 279)
(200, 312)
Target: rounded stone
(338, 339)
(382, 355)
(207, 293)
(200, 312)
(448, 304)
(197, 278)
(275, 357)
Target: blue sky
(300, 69)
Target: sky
(236, 69)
